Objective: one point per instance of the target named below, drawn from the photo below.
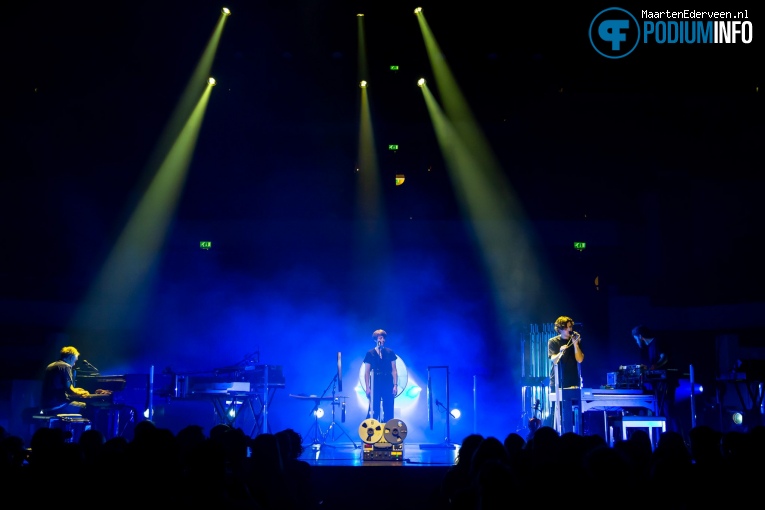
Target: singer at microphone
(565, 353)
(380, 378)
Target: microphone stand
(378, 400)
(334, 424)
(93, 371)
(373, 398)
(317, 443)
(439, 404)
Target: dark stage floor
(345, 478)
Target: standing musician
(380, 378)
(565, 352)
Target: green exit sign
(392, 147)
(205, 245)
(394, 68)
(579, 246)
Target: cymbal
(312, 397)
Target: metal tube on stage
(475, 405)
(447, 442)
(693, 400)
(265, 400)
(448, 409)
(151, 393)
(430, 401)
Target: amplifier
(631, 370)
(628, 377)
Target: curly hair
(562, 322)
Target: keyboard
(590, 392)
(96, 399)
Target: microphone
(89, 364)
(439, 404)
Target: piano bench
(649, 422)
(72, 424)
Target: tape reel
(395, 431)
(370, 431)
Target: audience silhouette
(266, 472)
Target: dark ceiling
(656, 157)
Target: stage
(343, 479)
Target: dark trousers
(384, 396)
(571, 411)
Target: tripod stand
(334, 424)
(317, 433)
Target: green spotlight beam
(125, 274)
(190, 95)
(368, 196)
(459, 113)
(362, 49)
(485, 195)
(371, 263)
(369, 200)
(113, 302)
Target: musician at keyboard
(59, 394)
(653, 357)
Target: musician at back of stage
(58, 389)
(653, 356)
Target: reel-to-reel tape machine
(383, 442)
